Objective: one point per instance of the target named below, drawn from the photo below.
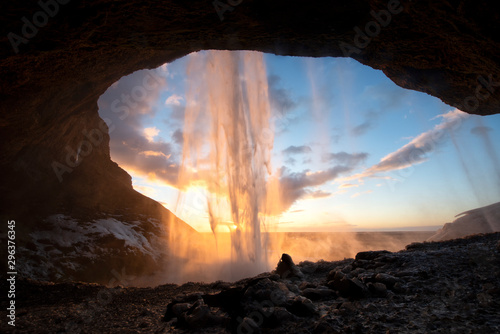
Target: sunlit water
(228, 139)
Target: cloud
(347, 185)
(174, 100)
(297, 150)
(290, 161)
(318, 194)
(362, 128)
(418, 149)
(481, 130)
(150, 133)
(178, 112)
(294, 185)
(154, 153)
(178, 137)
(388, 96)
(361, 193)
(125, 107)
(280, 98)
(345, 158)
(369, 123)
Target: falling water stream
(228, 139)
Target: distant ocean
(334, 246)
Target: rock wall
(58, 57)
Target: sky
(351, 150)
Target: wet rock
(305, 285)
(318, 294)
(301, 307)
(377, 289)
(367, 277)
(248, 325)
(399, 287)
(336, 275)
(198, 316)
(356, 288)
(358, 271)
(267, 290)
(274, 277)
(180, 305)
(331, 275)
(201, 315)
(371, 255)
(282, 315)
(327, 326)
(179, 309)
(286, 268)
(347, 269)
(348, 287)
(387, 279)
(293, 288)
(367, 264)
(308, 267)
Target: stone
(366, 264)
(331, 275)
(366, 277)
(282, 315)
(266, 290)
(305, 285)
(198, 316)
(248, 325)
(286, 268)
(387, 279)
(308, 267)
(348, 287)
(293, 288)
(318, 294)
(180, 308)
(377, 289)
(371, 255)
(398, 287)
(301, 307)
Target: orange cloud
(348, 185)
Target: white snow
(64, 242)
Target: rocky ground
(436, 287)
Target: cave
(59, 57)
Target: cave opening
(351, 153)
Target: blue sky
(327, 112)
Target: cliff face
(58, 57)
(480, 220)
